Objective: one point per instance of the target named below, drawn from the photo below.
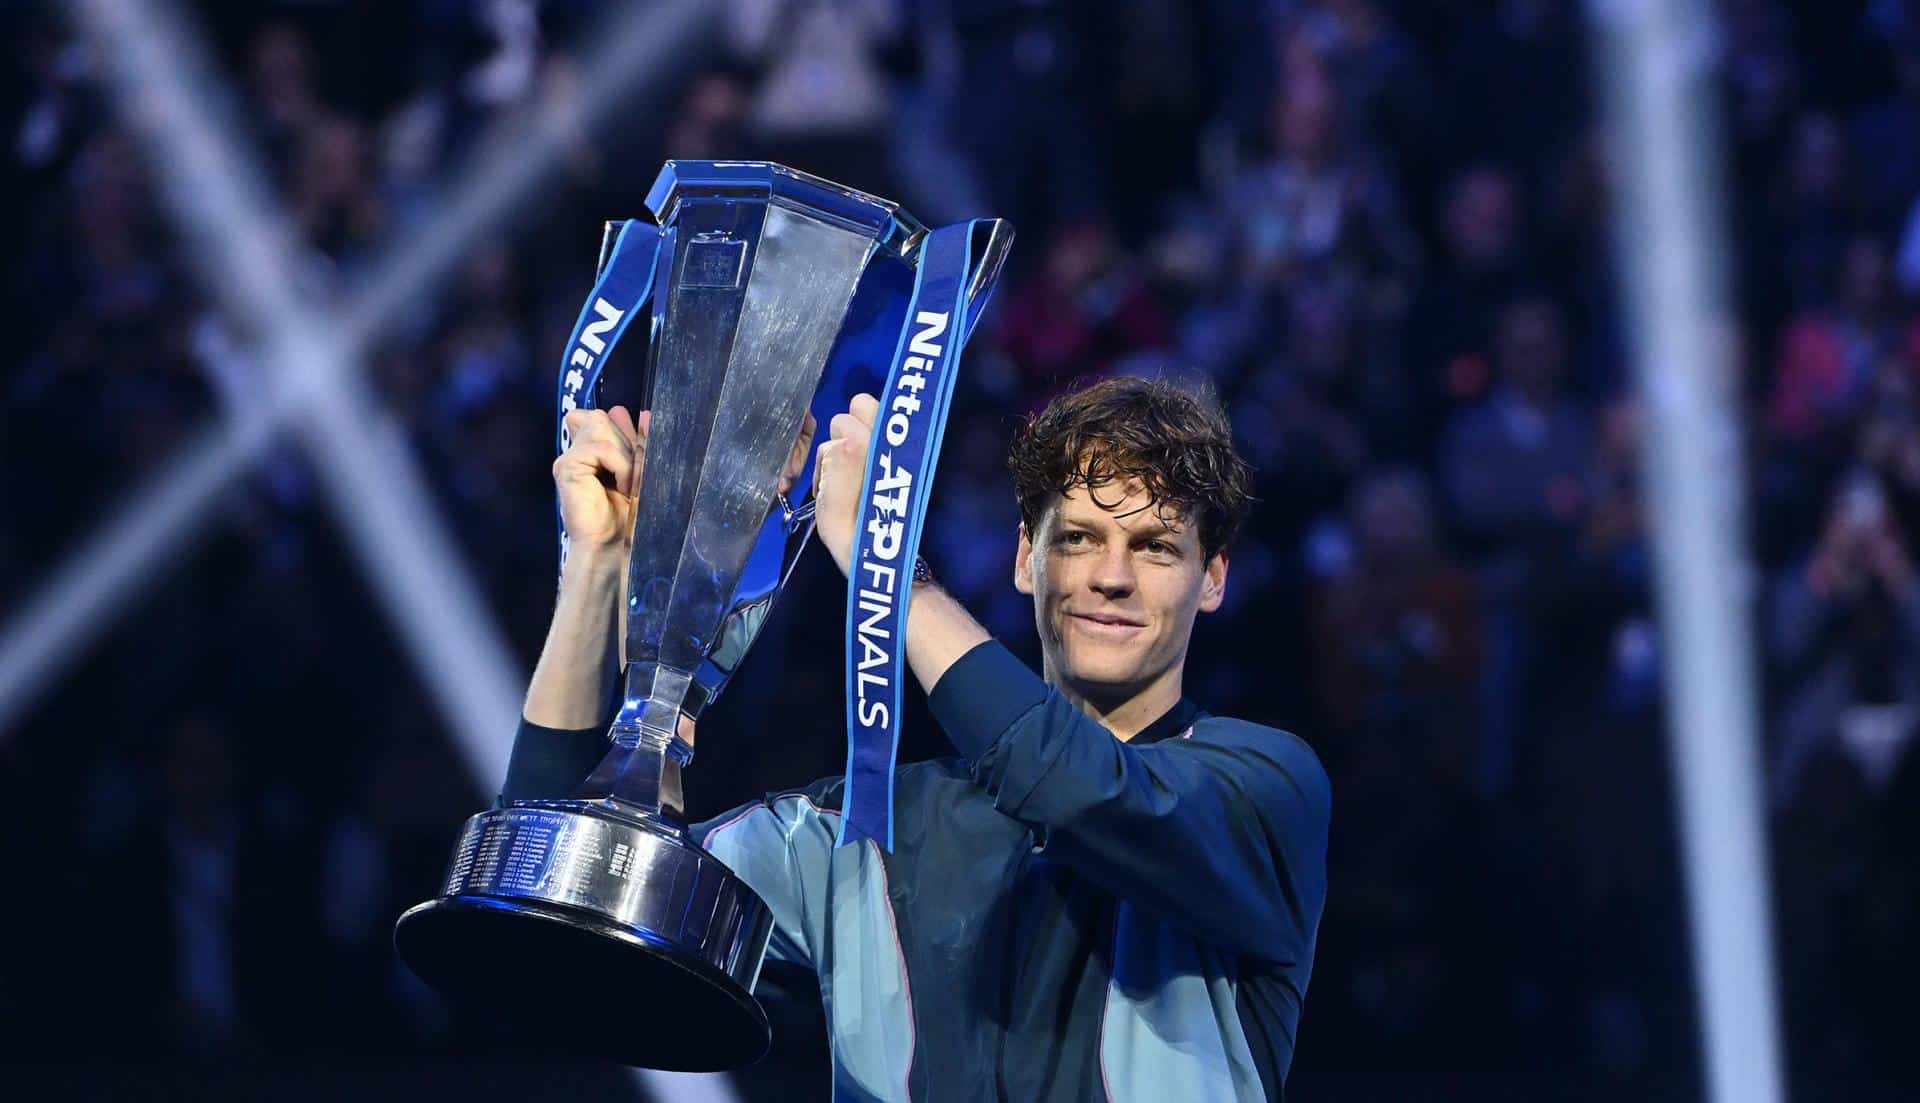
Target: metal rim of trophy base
(648, 1004)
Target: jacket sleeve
(1223, 833)
(549, 763)
(782, 847)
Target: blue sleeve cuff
(981, 695)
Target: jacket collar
(1174, 722)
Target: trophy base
(585, 983)
(602, 928)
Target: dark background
(1379, 229)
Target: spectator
(1514, 463)
(1318, 197)
(1087, 306)
(1845, 636)
(1451, 324)
(821, 100)
(1400, 636)
(1515, 468)
(1446, 588)
(1827, 356)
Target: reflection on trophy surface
(596, 913)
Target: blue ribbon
(893, 506)
(625, 285)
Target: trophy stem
(640, 772)
(641, 769)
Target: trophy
(595, 915)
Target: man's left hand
(840, 466)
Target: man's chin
(1100, 682)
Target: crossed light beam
(249, 258)
(245, 250)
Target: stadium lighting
(242, 245)
(1654, 75)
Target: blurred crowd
(1378, 229)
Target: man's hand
(839, 467)
(939, 630)
(797, 459)
(598, 477)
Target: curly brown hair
(1175, 440)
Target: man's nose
(1114, 576)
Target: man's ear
(1213, 584)
(1023, 562)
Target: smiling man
(1111, 894)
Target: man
(1111, 894)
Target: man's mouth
(1110, 625)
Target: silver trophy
(596, 915)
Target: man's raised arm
(569, 698)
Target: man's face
(1115, 590)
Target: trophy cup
(596, 916)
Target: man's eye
(1073, 539)
(1158, 547)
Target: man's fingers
(585, 425)
(797, 459)
(607, 461)
(611, 443)
(623, 421)
(850, 449)
(616, 425)
(635, 437)
(841, 464)
(848, 425)
(617, 461)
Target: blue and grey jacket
(1064, 916)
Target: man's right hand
(598, 478)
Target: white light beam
(1655, 85)
(244, 249)
(161, 515)
(245, 253)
